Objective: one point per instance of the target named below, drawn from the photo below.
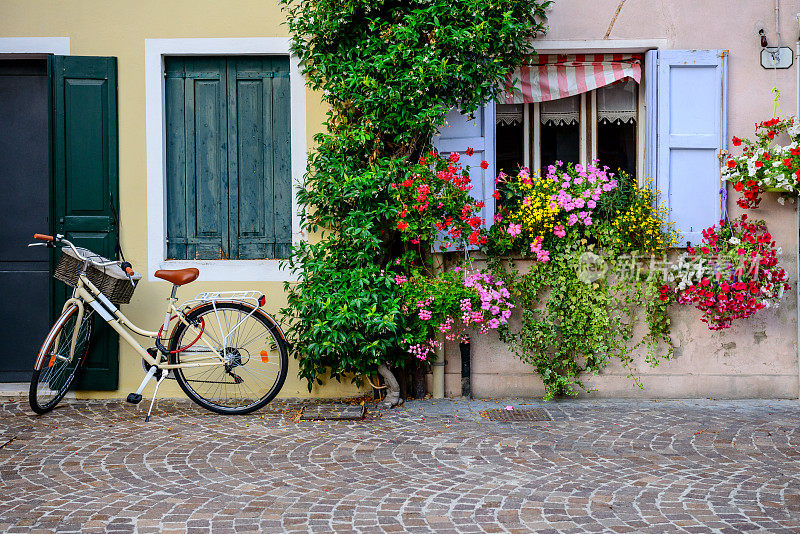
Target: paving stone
(434, 466)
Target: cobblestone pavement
(598, 466)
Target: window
(600, 124)
(593, 101)
(228, 161)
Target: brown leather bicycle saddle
(178, 277)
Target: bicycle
(226, 353)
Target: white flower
(781, 200)
(734, 241)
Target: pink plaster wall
(757, 357)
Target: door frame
(35, 45)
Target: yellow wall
(119, 28)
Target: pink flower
(573, 219)
(559, 230)
(498, 217)
(514, 229)
(399, 279)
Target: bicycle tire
(219, 395)
(54, 374)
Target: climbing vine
(597, 244)
(389, 71)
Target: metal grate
(319, 412)
(517, 415)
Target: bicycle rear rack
(211, 296)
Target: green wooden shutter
(85, 180)
(197, 158)
(259, 157)
(250, 102)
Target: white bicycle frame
(87, 293)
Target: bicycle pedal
(133, 398)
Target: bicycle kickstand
(155, 392)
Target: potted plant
(763, 164)
(731, 275)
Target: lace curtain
(561, 112)
(617, 103)
(508, 114)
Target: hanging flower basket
(765, 166)
(731, 275)
(769, 189)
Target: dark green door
(85, 183)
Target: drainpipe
(466, 373)
(797, 212)
(438, 365)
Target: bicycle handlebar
(60, 239)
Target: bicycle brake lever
(40, 244)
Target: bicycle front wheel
(59, 359)
(254, 357)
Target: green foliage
(389, 71)
(576, 319)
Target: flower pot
(776, 190)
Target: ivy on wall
(389, 71)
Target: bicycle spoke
(253, 363)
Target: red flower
(423, 160)
(469, 151)
(454, 157)
(759, 164)
(496, 195)
(402, 225)
(738, 186)
(484, 165)
(736, 141)
(788, 162)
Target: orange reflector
(52, 361)
(264, 356)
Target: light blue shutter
(651, 114)
(692, 86)
(462, 132)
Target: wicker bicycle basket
(111, 281)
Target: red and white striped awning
(554, 76)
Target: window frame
(268, 270)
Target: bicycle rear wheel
(59, 359)
(253, 348)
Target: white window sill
(232, 270)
